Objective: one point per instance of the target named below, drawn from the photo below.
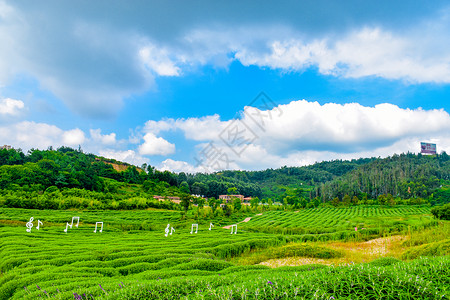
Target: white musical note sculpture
(78, 221)
(101, 229)
(167, 230)
(235, 227)
(196, 228)
(211, 226)
(67, 225)
(30, 224)
(39, 223)
(71, 224)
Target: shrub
(384, 261)
(433, 249)
(441, 212)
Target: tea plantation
(132, 258)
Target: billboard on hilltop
(427, 148)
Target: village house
(228, 198)
(173, 199)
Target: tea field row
(330, 219)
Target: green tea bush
(433, 249)
(306, 250)
(205, 264)
(384, 261)
(441, 212)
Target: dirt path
(244, 221)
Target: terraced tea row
(142, 264)
(48, 258)
(330, 219)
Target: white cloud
(179, 166)
(370, 51)
(155, 146)
(303, 132)
(27, 135)
(92, 66)
(311, 126)
(128, 156)
(157, 59)
(197, 129)
(73, 137)
(105, 139)
(11, 107)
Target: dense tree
(441, 212)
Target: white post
(67, 225)
(30, 224)
(101, 229)
(78, 221)
(196, 228)
(235, 228)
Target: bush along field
(132, 258)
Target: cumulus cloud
(92, 65)
(154, 145)
(309, 125)
(128, 156)
(197, 129)
(179, 166)
(157, 60)
(73, 137)
(303, 132)
(105, 139)
(27, 135)
(371, 51)
(11, 107)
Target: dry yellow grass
(354, 252)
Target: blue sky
(178, 84)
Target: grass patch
(290, 250)
(433, 249)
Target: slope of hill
(407, 176)
(404, 176)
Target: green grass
(324, 221)
(290, 250)
(132, 258)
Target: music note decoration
(194, 226)
(78, 221)
(167, 230)
(71, 224)
(67, 226)
(211, 226)
(101, 229)
(30, 224)
(39, 223)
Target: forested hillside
(66, 177)
(404, 176)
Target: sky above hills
(207, 85)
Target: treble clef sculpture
(30, 224)
(167, 230)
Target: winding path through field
(244, 221)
